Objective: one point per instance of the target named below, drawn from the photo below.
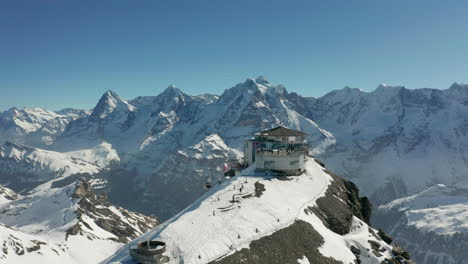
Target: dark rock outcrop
(282, 247)
(340, 203)
(100, 211)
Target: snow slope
(246, 208)
(24, 167)
(61, 222)
(103, 155)
(433, 223)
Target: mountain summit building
(280, 150)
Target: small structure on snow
(149, 252)
(233, 167)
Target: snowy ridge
(102, 155)
(246, 208)
(432, 224)
(441, 209)
(39, 165)
(209, 148)
(59, 223)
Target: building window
(294, 162)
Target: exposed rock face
(7, 194)
(342, 201)
(14, 243)
(125, 225)
(284, 246)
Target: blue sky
(64, 53)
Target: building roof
(282, 131)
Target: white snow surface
(44, 164)
(214, 226)
(441, 209)
(45, 215)
(210, 147)
(303, 260)
(101, 155)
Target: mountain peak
(457, 85)
(382, 86)
(261, 80)
(109, 93)
(106, 104)
(172, 91)
(386, 87)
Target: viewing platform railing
(280, 152)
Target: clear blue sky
(62, 53)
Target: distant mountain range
(155, 152)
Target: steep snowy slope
(35, 126)
(62, 222)
(250, 216)
(433, 224)
(102, 155)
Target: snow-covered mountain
(35, 126)
(63, 222)
(432, 224)
(393, 142)
(312, 218)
